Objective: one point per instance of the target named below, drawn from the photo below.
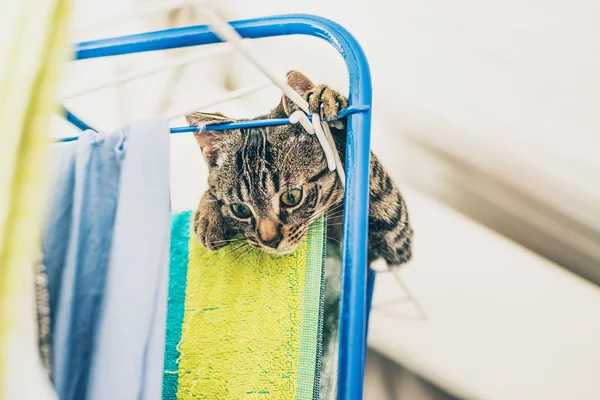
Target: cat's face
(270, 184)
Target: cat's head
(269, 182)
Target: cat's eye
(240, 210)
(292, 197)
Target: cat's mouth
(280, 251)
(286, 246)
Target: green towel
(242, 324)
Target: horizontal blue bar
(234, 125)
(221, 127)
(75, 120)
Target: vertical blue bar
(353, 323)
(353, 318)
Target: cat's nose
(273, 242)
(269, 233)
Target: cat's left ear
(210, 142)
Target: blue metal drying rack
(357, 283)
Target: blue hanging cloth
(106, 252)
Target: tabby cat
(270, 183)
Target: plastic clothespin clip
(299, 116)
(315, 129)
(321, 129)
(338, 162)
(318, 127)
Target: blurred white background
(486, 107)
(489, 106)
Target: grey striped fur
(255, 166)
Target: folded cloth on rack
(243, 324)
(106, 249)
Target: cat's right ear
(209, 141)
(301, 84)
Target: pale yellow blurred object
(33, 48)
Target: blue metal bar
(219, 127)
(75, 120)
(354, 253)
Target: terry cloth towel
(243, 324)
(106, 249)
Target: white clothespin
(321, 129)
(318, 127)
(338, 162)
(299, 116)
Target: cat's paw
(209, 230)
(325, 101)
(402, 253)
(395, 253)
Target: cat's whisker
(335, 206)
(226, 241)
(335, 210)
(335, 240)
(241, 249)
(317, 214)
(325, 210)
(335, 214)
(199, 253)
(313, 218)
(241, 254)
(236, 248)
(329, 211)
(261, 257)
(337, 203)
(229, 241)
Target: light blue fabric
(76, 251)
(130, 361)
(106, 249)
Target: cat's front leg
(390, 233)
(208, 223)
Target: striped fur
(254, 167)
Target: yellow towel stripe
(251, 322)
